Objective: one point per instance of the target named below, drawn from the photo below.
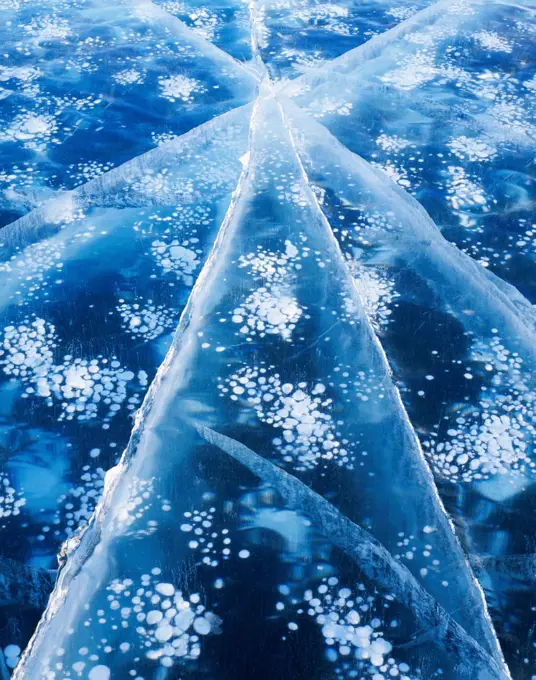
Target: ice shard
(444, 104)
(86, 86)
(461, 344)
(92, 286)
(273, 495)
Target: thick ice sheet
(86, 86)
(274, 501)
(210, 548)
(444, 104)
(461, 344)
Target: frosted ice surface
(275, 362)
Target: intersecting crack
(514, 308)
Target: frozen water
(86, 86)
(267, 341)
(445, 106)
(91, 287)
(274, 350)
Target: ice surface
(91, 287)
(292, 36)
(224, 23)
(85, 86)
(348, 265)
(444, 104)
(462, 346)
(300, 36)
(194, 553)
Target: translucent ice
(346, 409)
(85, 86)
(273, 465)
(462, 345)
(91, 287)
(444, 104)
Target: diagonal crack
(41, 222)
(490, 633)
(366, 52)
(255, 25)
(450, 266)
(77, 552)
(181, 30)
(373, 559)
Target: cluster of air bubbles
(178, 257)
(88, 170)
(402, 12)
(152, 619)
(268, 312)
(377, 293)
(330, 17)
(463, 192)
(146, 319)
(305, 60)
(397, 173)
(353, 636)
(31, 269)
(180, 88)
(141, 500)
(492, 41)
(34, 131)
(392, 143)
(272, 308)
(211, 543)
(411, 549)
(169, 624)
(76, 506)
(130, 76)
(267, 265)
(204, 21)
(472, 149)
(492, 437)
(83, 388)
(301, 411)
(11, 500)
(161, 138)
